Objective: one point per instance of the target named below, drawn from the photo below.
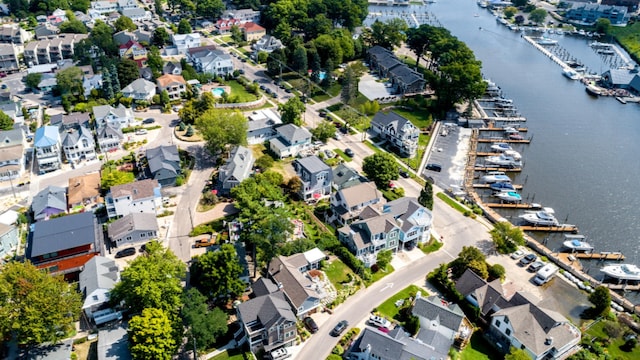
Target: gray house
(347, 203)
(52, 200)
(132, 229)
(404, 79)
(97, 279)
(12, 145)
(344, 177)
(237, 168)
(316, 177)
(78, 144)
(8, 239)
(398, 131)
(164, 164)
(109, 137)
(70, 121)
(290, 140)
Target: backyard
(389, 308)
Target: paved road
(457, 231)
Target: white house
(347, 203)
(12, 145)
(261, 126)
(109, 137)
(97, 279)
(290, 140)
(137, 14)
(78, 144)
(183, 42)
(207, 59)
(141, 196)
(140, 89)
(118, 117)
(104, 7)
(47, 149)
(127, 4)
(397, 130)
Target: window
(523, 347)
(506, 320)
(143, 235)
(497, 323)
(508, 331)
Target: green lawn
(344, 156)
(239, 91)
(420, 118)
(479, 349)
(629, 38)
(432, 246)
(454, 204)
(389, 308)
(614, 347)
(380, 274)
(233, 354)
(338, 273)
(371, 146)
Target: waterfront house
(140, 196)
(267, 323)
(118, 117)
(261, 126)
(96, 281)
(133, 229)
(347, 203)
(290, 140)
(47, 149)
(12, 146)
(414, 220)
(140, 89)
(622, 79)
(316, 177)
(109, 138)
(164, 164)
(404, 80)
(237, 169)
(208, 60)
(184, 42)
(589, 13)
(398, 131)
(50, 201)
(174, 85)
(631, 5)
(78, 144)
(63, 245)
(84, 192)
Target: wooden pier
(488, 186)
(493, 168)
(561, 228)
(622, 287)
(505, 118)
(510, 206)
(523, 141)
(502, 129)
(611, 256)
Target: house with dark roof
(164, 164)
(622, 79)
(12, 145)
(520, 321)
(268, 44)
(118, 117)
(346, 204)
(50, 201)
(398, 131)
(84, 192)
(124, 36)
(8, 239)
(344, 177)
(109, 137)
(404, 79)
(137, 197)
(133, 229)
(47, 149)
(70, 121)
(267, 323)
(64, 245)
(237, 169)
(441, 323)
(172, 68)
(208, 59)
(78, 144)
(316, 177)
(290, 140)
(96, 280)
(589, 13)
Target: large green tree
(101, 36)
(349, 91)
(601, 300)
(426, 196)
(114, 177)
(291, 111)
(221, 127)
(470, 258)
(69, 81)
(127, 72)
(152, 281)
(152, 336)
(217, 273)
(125, 23)
(36, 307)
(324, 131)
(506, 237)
(73, 26)
(538, 15)
(32, 80)
(204, 326)
(6, 122)
(381, 168)
(160, 37)
(270, 232)
(211, 9)
(184, 27)
(389, 34)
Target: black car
(529, 258)
(339, 328)
(149, 121)
(434, 167)
(403, 173)
(311, 325)
(349, 152)
(322, 113)
(126, 252)
(262, 87)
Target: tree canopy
(426, 196)
(32, 80)
(538, 15)
(601, 300)
(6, 122)
(506, 237)
(217, 273)
(205, 326)
(125, 23)
(221, 127)
(152, 336)
(291, 111)
(43, 308)
(69, 81)
(381, 168)
(324, 131)
(389, 34)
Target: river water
(583, 160)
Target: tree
(299, 59)
(221, 127)
(115, 177)
(160, 37)
(276, 60)
(520, 3)
(152, 281)
(603, 26)
(69, 81)
(36, 306)
(125, 23)
(388, 34)
(115, 82)
(349, 86)
(236, 34)
(324, 131)
(510, 11)
(270, 232)
(73, 26)
(151, 335)
(217, 273)
(210, 8)
(384, 258)
(381, 168)
(538, 15)
(601, 300)
(517, 354)
(291, 110)
(155, 61)
(506, 237)
(469, 257)
(264, 162)
(157, 4)
(426, 196)
(294, 185)
(107, 87)
(6, 122)
(184, 27)
(101, 36)
(205, 326)
(33, 79)
(127, 72)
(497, 271)
(262, 57)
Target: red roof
(250, 27)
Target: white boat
(622, 271)
(495, 177)
(546, 41)
(571, 74)
(510, 130)
(500, 147)
(503, 160)
(509, 196)
(542, 217)
(576, 243)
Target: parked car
(517, 255)
(434, 167)
(204, 242)
(337, 136)
(149, 121)
(329, 154)
(535, 266)
(529, 258)
(349, 152)
(274, 95)
(379, 322)
(280, 354)
(126, 252)
(322, 113)
(339, 328)
(141, 131)
(403, 173)
(311, 324)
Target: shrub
(202, 229)
(338, 350)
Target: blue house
(47, 149)
(588, 14)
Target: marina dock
(510, 205)
(493, 168)
(488, 154)
(487, 186)
(611, 256)
(523, 141)
(502, 129)
(561, 228)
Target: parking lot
(449, 150)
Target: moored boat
(509, 196)
(593, 90)
(571, 74)
(500, 147)
(622, 271)
(544, 217)
(503, 160)
(502, 186)
(576, 243)
(546, 41)
(495, 177)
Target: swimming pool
(322, 75)
(217, 91)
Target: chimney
(549, 340)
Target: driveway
(372, 89)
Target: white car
(141, 131)
(379, 322)
(281, 353)
(517, 255)
(337, 136)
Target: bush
(202, 229)
(338, 350)
(180, 180)
(497, 271)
